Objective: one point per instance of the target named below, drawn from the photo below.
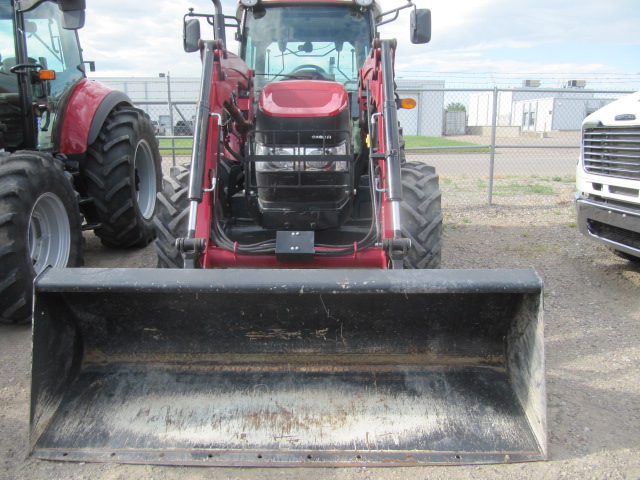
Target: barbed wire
(629, 81)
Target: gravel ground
(592, 317)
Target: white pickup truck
(608, 177)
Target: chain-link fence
(465, 133)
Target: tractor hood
(303, 98)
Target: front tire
(172, 219)
(122, 173)
(40, 226)
(421, 215)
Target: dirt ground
(592, 338)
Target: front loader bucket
(288, 367)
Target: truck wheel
(625, 255)
(122, 172)
(40, 226)
(421, 215)
(172, 217)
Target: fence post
(492, 148)
(173, 142)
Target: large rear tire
(172, 218)
(40, 226)
(122, 173)
(421, 215)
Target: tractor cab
(40, 62)
(316, 42)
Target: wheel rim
(145, 176)
(49, 233)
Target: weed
(535, 248)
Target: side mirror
(191, 35)
(73, 19)
(72, 13)
(421, 25)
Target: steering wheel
(321, 72)
(23, 67)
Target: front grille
(614, 234)
(612, 151)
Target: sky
(475, 43)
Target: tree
(455, 106)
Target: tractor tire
(403, 145)
(122, 173)
(171, 221)
(40, 226)
(421, 215)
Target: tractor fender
(85, 113)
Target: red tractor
(303, 319)
(76, 155)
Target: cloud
(144, 37)
(140, 38)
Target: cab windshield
(315, 42)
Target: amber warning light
(47, 74)
(407, 103)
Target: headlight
(321, 164)
(324, 164)
(272, 165)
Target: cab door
(12, 108)
(52, 66)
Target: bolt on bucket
(288, 367)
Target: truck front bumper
(616, 226)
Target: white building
(554, 113)
(534, 109)
(426, 118)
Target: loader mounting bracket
(295, 246)
(397, 249)
(191, 250)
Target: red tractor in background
(303, 319)
(76, 155)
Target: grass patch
(534, 249)
(556, 178)
(421, 141)
(178, 142)
(513, 189)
